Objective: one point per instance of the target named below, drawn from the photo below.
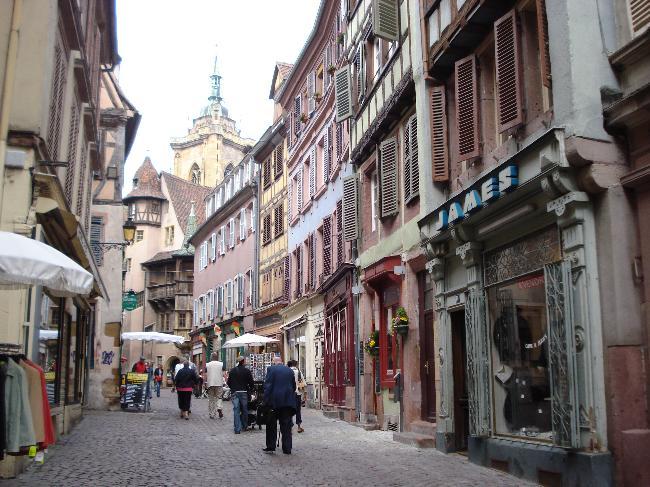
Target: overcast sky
(168, 48)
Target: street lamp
(128, 230)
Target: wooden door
(461, 403)
(427, 369)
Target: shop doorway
(459, 357)
(428, 348)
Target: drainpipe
(7, 92)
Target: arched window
(195, 174)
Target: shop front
(517, 321)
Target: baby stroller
(256, 410)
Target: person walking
(158, 375)
(185, 381)
(280, 396)
(293, 365)
(240, 382)
(140, 367)
(214, 383)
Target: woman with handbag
(300, 389)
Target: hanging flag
(217, 331)
(236, 327)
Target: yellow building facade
(213, 142)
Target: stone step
(415, 439)
(332, 414)
(423, 428)
(367, 426)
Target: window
(387, 345)
(229, 297)
(96, 236)
(278, 220)
(203, 307)
(196, 313)
(373, 201)
(231, 227)
(266, 229)
(181, 320)
(213, 247)
(298, 259)
(235, 290)
(139, 235)
(236, 181)
(240, 292)
(211, 301)
(520, 358)
(249, 278)
(169, 235)
(127, 264)
(242, 224)
(254, 216)
(223, 240)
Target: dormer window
(135, 183)
(195, 174)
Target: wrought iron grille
(522, 257)
(562, 351)
(478, 372)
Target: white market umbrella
(48, 334)
(248, 339)
(27, 262)
(152, 336)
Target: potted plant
(371, 345)
(400, 323)
(318, 96)
(304, 118)
(331, 68)
(340, 38)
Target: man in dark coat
(280, 396)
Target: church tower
(212, 143)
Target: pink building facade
(224, 265)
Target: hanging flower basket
(331, 68)
(304, 118)
(340, 38)
(371, 345)
(400, 325)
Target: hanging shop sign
(486, 190)
(129, 301)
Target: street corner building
(61, 105)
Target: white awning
(248, 339)
(152, 336)
(48, 334)
(27, 262)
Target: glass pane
(522, 395)
(434, 27)
(445, 14)
(49, 344)
(71, 358)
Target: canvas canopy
(248, 339)
(152, 336)
(27, 262)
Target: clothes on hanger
(46, 414)
(18, 415)
(3, 422)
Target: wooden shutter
(278, 156)
(339, 233)
(327, 246)
(360, 67)
(311, 90)
(278, 217)
(223, 240)
(542, 39)
(56, 99)
(312, 261)
(298, 271)
(289, 202)
(289, 127)
(242, 224)
(297, 112)
(287, 276)
(327, 154)
(406, 162)
(299, 189)
(508, 70)
(339, 141)
(467, 115)
(72, 152)
(385, 19)
(350, 208)
(439, 158)
(213, 246)
(312, 172)
(388, 177)
(414, 166)
(232, 232)
(96, 236)
(639, 15)
(343, 93)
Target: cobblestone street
(158, 448)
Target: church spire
(215, 79)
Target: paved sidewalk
(159, 448)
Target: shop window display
(520, 363)
(49, 345)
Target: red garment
(47, 416)
(140, 368)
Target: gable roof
(148, 183)
(281, 71)
(181, 195)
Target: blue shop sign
(472, 200)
